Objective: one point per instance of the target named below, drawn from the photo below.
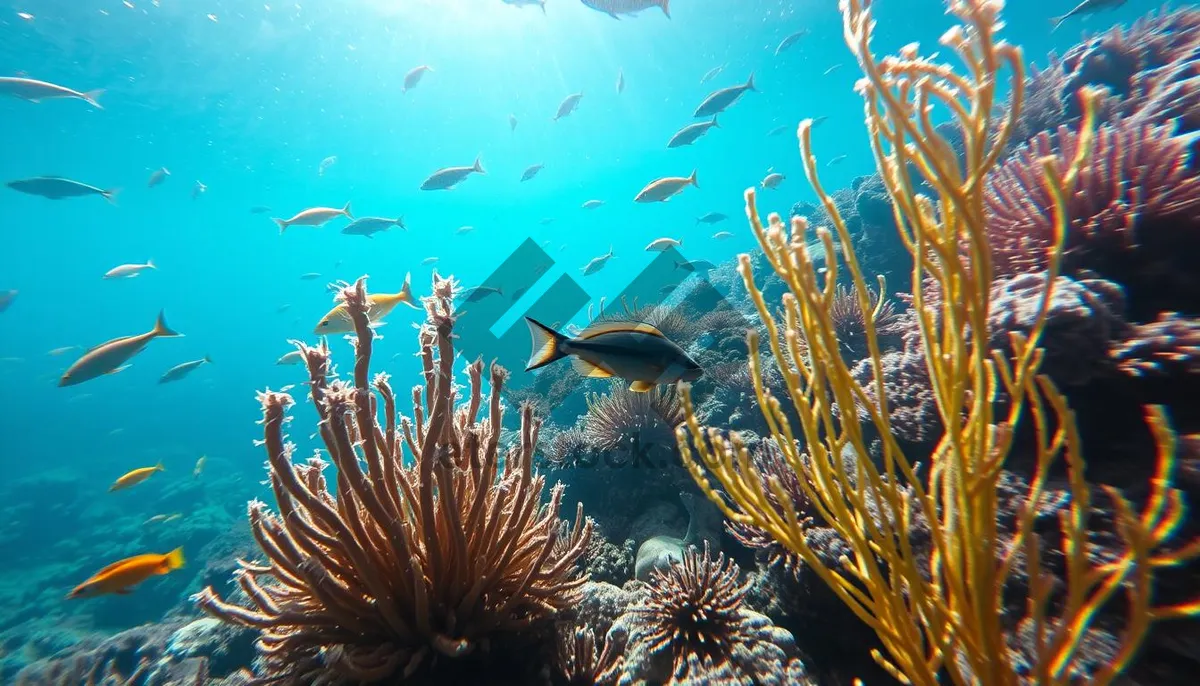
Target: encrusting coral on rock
(392, 569)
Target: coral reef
(624, 420)
(404, 570)
(135, 657)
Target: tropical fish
(772, 180)
(614, 8)
(722, 235)
(312, 276)
(531, 171)
(790, 40)
(597, 263)
(474, 295)
(620, 81)
(711, 218)
(512, 122)
(135, 477)
(662, 190)
(778, 130)
(380, 305)
(260, 209)
(568, 105)
(1086, 7)
(7, 298)
(366, 226)
(717, 101)
(108, 357)
(527, 3)
(429, 260)
(120, 577)
(592, 204)
(128, 271)
(32, 90)
(712, 74)
(447, 178)
(464, 230)
(413, 77)
(835, 160)
(294, 357)
(664, 244)
(162, 518)
(326, 164)
(198, 190)
(199, 468)
(314, 216)
(636, 352)
(57, 188)
(157, 176)
(695, 266)
(55, 352)
(179, 371)
(690, 133)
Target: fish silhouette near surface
(314, 216)
(531, 171)
(58, 188)
(636, 352)
(414, 76)
(662, 190)
(568, 105)
(691, 133)
(615, 8)
(7, 298)
(157, 176)
(120, 577)
(527, 3)
(109, 357)
(1086, 7)
(181, 370)
(447, 178)
(32, 90)
(719, 100)
(368, 226)
(597, 263)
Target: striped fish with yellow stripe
(634, 351)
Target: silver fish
(717, 101)
(294, 357)
(57, 188)
(598, 263)
(157, 176)
(664, 244)
(614, 8)
(447, 178)
(662, 190)
(313, 216)
(413, 77)
(7, 298)
(531, 171)
(722, 235)
(696, 266)
(1085, 7)
(568, 105)
(789, 41)
(834, 160)
(620, 81)
(366, 226)
(832, 69)
(527, 3)
(712, 74)
(326, 164)
(711, 218)
(474, 295)
(512, 122)
(32, 90)
(691, 133)
(198, 190)
(636, 352)
(773, 180)
(181, 370)
(592, 204)
(310, 276)
(110, 357)
(778, 130)
(260, 209)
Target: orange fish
(135, 477)
(120, 577)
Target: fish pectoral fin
(641, 386)
(590, 370)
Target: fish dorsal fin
(589, 370)
(599, 328)
(112, 567)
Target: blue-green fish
(57, 188)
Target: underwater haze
(262, 110)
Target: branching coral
(938, 610)
(1134, 215)
(373, 576)
(1167, 347)
(621, 418)
(693, 627)
(769, 460)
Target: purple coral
(772, 466)
(1134, 217)
(1169, 346)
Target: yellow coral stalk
(935, 612)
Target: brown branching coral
(1136, 185)
(619, 418)
(693, 627)
(389, 569)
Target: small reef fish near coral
(927, 416)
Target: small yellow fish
(120, 577)
(135, 477)
(163, 518)
(199, 466)
(338, 319)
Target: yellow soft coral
(940, 610)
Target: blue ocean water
(249, 98)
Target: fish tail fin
(1056, 22)
(400, 223)
(346, 211)
(681, 242)
(281, 223)
(93, 98)
(547, 345)
(161, 328)
(542, 4)
(406, 295)
(150, 264)
(159, 467)
(750, 82)
(715, 123)
(111, 195)
(208, 358)
(692, 179)
(478, 167)
(174, 560)
(666, 8)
